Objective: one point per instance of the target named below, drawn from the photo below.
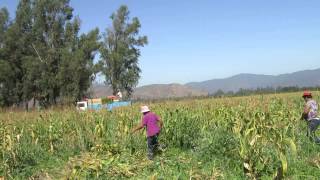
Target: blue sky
(206, 39)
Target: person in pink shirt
(153, 124)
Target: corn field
(256, 137)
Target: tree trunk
(26, 106)
(114, 90)
(34, 102)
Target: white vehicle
(82, 105)
(96, 104)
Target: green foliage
(4, 23)
(266, 90)
(226, 138)
(77, 59)
(43, 56)
(106, 100)
(120, 52)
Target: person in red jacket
(310, 114)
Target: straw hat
(145, 109)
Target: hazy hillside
(100, 90)
(155, 91)
(234, 83)
(253, 81)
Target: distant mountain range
(158, 91)
(253, 81)
(305, 78)
(154, 91)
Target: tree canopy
(120, 52)
(45, 58)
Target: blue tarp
(118, 104)
(95, 106)
(109, 106)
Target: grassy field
(256, 137)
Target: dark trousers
(152, 145)
(313, 125)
